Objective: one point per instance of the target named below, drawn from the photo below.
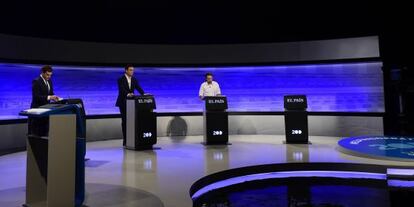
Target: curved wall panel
(350, 87)
(28, 49)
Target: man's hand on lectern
(54, 98)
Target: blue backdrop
(350, 87)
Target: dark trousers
(122, 110)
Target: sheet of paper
(36, 111)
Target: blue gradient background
(350, 87)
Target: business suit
(40, 92)
(123, 90)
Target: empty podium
(296, 119)
(55, 174)
(215, 121)
(141, 126)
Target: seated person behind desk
(209, 87)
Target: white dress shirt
(212, 89)
(47, 84)
(129, 80)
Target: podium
(141, 126)
(216, 122)
(55, 174)
(296, 119)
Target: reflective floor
(118, 177)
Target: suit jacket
(40, 92)
(123, 89)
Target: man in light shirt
(209, 87)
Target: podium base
(308, 142)
(215, 144)
(38, 204)
(142, 148)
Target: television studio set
(205, 104)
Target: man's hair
(128, 66)
(208, 74)
(46, 68)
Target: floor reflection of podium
(140, 168)
(297, 153)
(298, 194)
(216, 158)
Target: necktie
(48, 86)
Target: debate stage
(346, 82)
(118, 177)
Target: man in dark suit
(42, 88)
(42, 93)
(127, 84)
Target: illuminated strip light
(401, 172)
(401, 183)
(409, 173)
(288, 174)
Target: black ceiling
(196, 21)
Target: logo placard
(388, 147)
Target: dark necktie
(48, 86)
